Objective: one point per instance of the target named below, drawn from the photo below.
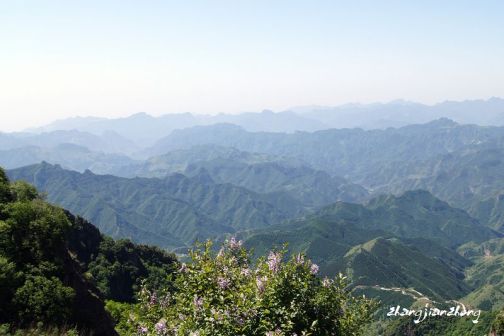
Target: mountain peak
(417, 196)
(140, 115)
(443, 122)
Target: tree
(5, 193)
(33, 231)
(44, 299)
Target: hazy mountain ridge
(470, 178)
(70, 156)
(258, 172)
(169, 212)
(108, 141)
(401, 113)
(350, 153)
(143, 128)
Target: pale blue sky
(114, 58)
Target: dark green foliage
(22, 191)
(44, 255)
(33, 233)
(44, 299)
(120, 267)
(32, 258)
(117, 267)
(498, 325)
(9, 281)
(5, 194)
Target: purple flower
(260, 282)
(142, 330)
(326, 282)
(160, 327)
(300, 259)
(245, 271)
(274, 261)
(153, 299)
(314, 269)
(183, 268)
(165, 301)
(274, 333)
(223, 283)
(198, 302)
(234, 244)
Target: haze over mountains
(406, 199)
(144, 129)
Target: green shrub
(498, 324)
(226, 295)
(44, 299)
(23, 191)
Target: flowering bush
(225, 294)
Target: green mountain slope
(391, 243)
(169, 212)
(414, 214)
(389, 263)
(258, 172)
(352, 153)
(417, 217)
(487, 273)
(471, 178)
(461, 164)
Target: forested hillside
(58, 270)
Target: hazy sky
(114, 58)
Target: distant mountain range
(351, 153)
(169, 212)
(258, 172)
(173, 210)
(144, 129)
(405, 241)
(409, 213)
(108, 141)
(395, 244)
(74, 157)
(401, 113)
